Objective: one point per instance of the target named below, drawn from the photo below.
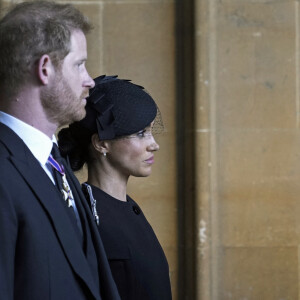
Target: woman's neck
(110, 182)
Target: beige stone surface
(4, 6)
(257, 156)
(248, 149)
(94, 38)
(256, 82)
(204, 239)
(258, 273)
(139, 44)
(267, 216)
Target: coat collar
(107, 284)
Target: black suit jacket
(41, 256)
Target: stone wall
(248, 145)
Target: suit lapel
(40, 183)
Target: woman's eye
(141, 133)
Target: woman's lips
(150, 160)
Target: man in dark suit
(49, 243)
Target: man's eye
(80, 64)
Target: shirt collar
(38, 143)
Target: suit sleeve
(8, 237)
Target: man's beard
(61, 105)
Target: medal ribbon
(66, 191)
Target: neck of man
(26, 106)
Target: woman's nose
(153, 146)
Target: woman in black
(115, 141)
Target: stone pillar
(247, 145)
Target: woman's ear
(45, 68)
(99, 146)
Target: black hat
(117, 107)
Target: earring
(104, 154)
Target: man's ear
(45, 68)
(99, 146)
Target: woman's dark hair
(74, 143)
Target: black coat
(40, 254)
(137, 260)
